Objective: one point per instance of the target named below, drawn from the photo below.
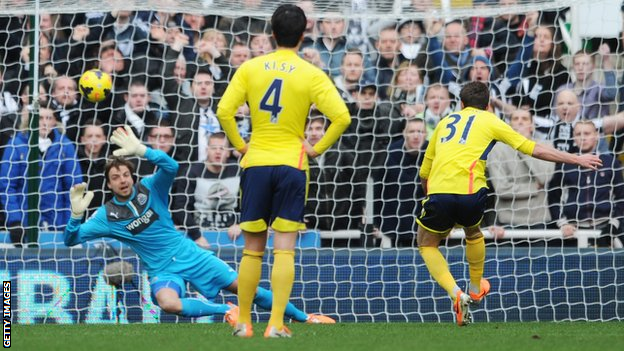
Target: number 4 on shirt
(271, 100)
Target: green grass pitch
(566, 336)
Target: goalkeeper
(138, 216)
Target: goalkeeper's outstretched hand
(128, 142)
(80, 199)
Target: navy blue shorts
(273, 195)
(441, 212)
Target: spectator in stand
(93, 151)
(503, 36)
(387, 46)
(13, 33)
(109, 59)
(413, 42)
(136, 112)
(196, 118)
(361, 154)
(239, 54)
(560, 127)
(121, 70)
(59, 170)
(481, 70)
(449, 62)
(593, 96)
(118, 26)
(212, 187)
(401, 191)
(520, 181)
(407, 90)
(260, 44)
(560, 131)
(360, 29)
(68, 109)
(318, 205)
(240, 26)
(160, 136)
(311, 31)
(162, 28)
(438, 105)
(537, 72)
(331, 46)
(47, 68)
(212, 48)
(351, 72)
(192, 26)
(9, 112)
(595, 198)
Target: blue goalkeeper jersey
(143, 222)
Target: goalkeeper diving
(138, 216)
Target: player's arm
(610, 124)
(234, 96)
(327, 99)
(549, 153)
(77, 233)
(162, 180)
(503, 132)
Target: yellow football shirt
(279, 88)
(455, 158)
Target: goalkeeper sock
(282, 278)
(250, 271)
(192, 307)
(475, 254)
(264, 299)
(438, 268)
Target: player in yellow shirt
(453, 176)
(279, 89)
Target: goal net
(553, 233)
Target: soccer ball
(95, 85)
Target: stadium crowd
(398, 78)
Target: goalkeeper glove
(80, 199)
(130, 145)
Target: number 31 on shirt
(271, 100)
(452, 129)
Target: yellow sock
(249, 274)
(282, 278)
(475, 254)
(438, 268)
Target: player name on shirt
(281, 67)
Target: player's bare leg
(428, 243)
(248, 278)
(475, 254)
(169, 300)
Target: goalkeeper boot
(460, 306)
(243, 330)
(231, 316)
(272, 332)
(484, 290)
(319, 319)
